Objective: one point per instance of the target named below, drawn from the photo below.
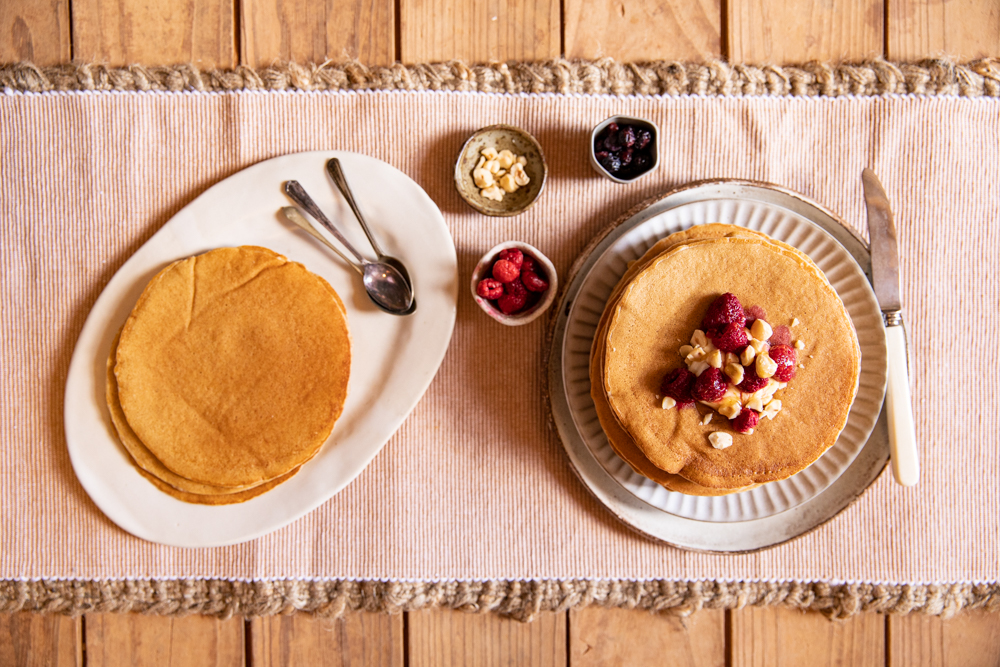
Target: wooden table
(226, 33)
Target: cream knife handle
(902, 437)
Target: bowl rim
(460, 174)
(536, 311)
(630, 119)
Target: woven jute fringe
(522, 600)
(980, 78)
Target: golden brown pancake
(217, 499)
(619, 439)
(659, 308)
(141, 457)
(233, 367)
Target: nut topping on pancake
(745, 389)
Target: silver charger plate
(775, 512)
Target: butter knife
(885, 280)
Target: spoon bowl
(387, 287)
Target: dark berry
(489, 288)
(785, 357)
(751, 381)
(626, 157)
(726, 309)
(642, 138)
(677, 384)
(710, 385)
(505, 271)
(746, 421)
(627, 136)
(730, 338)
(512, 255)
(610, 161)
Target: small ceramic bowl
(636, 122)
(484, 269)
(518, 142)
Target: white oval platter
(394, 358)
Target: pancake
(141, 457)
(657, 311)
(619, 439)
(217, 499)
(233, 367)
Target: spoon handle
(300, 220)
(337, 175)
(297, 193)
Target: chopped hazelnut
(735, 373)
(766, 366)
(761, 330)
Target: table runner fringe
(521, 600)
(980, 78)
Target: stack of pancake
(229, 374)
(655, 309)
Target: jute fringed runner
(522, 600)
(934, 77)
(472, 504)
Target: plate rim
(869, 463)
(79, 402)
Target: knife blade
(885, 281)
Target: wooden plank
(133, 640)
(498, 30)
(962, 29)
(356, 638)
(307, 31)
(155, 32)
(638, 30)
(776, 637)
(622, 637)
(444, 638)
(970, 639)
(783, 32)
(36, 31)
(34, 640)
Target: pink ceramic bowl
(484, 270)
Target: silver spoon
(294, 216)
(384, 283)
(337, 175)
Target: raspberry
(710, 385)
(488, 288)
(514, 299)
(785, 357)
(781, 335)
(746, 421)
(751, 381)
(724, 310)
(505, 271)
(729, 339)
(528, 264)
(677, 385)
(754, 313)
(513, 255)
(534, 282)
